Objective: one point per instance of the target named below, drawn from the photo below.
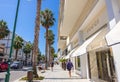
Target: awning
(82, 49)
(99, 41)
(70, 54)
(113, 37)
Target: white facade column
(80, 37)
(69, 47)
(83, 63)
(116, 53)
(68, 40)
(73, 60)
(111, 16)
(87, 67)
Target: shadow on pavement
(2, 79)
(62, 78)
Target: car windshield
(15, 63)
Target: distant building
(5, 45)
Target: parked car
(3, 66)
(26, 68)
(16, 65)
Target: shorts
(69, 69)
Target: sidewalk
(59, 75)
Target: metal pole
(13, 35)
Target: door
(105, 64)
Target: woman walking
(69, 67)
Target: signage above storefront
(95, 24)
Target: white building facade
(83, 32)
(6, 44)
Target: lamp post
(13, 35)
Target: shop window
(1, 54)
(105, 65)
(66, 51)
(78, 62)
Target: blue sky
(26, 18)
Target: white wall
(116, 53)
(116, 9)
(83, 62)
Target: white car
(16, 65)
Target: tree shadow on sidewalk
(62, 78)
(2, 79)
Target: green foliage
(4, 31)
(52, 50)
(62, 60)
(39, 78)
(27, 48)
(47, 18)
(51, 37)
(55, 55)
(18, 42)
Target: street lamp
(13, 35)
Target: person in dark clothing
(52, 65)
(69, 67)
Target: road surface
(15, 74)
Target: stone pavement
(59, 75)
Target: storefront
(101, 62)
(81, 60)
(94, 30)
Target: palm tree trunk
(26, 60)
(46, 49)
(16, 52)
(36, 38)
(49, 55)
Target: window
(78, 62)
(105, 65)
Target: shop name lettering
(92, 26)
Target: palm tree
(4, 31)
(18, 43)
(38, 57)
(36, 38)
(51, 37)
(47, 20)
(27, 49)
(52, 52)
(50, 43)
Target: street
(14, 75)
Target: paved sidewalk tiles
(59, 75)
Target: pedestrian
(69, 67)
(52, 65)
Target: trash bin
(30, 76)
